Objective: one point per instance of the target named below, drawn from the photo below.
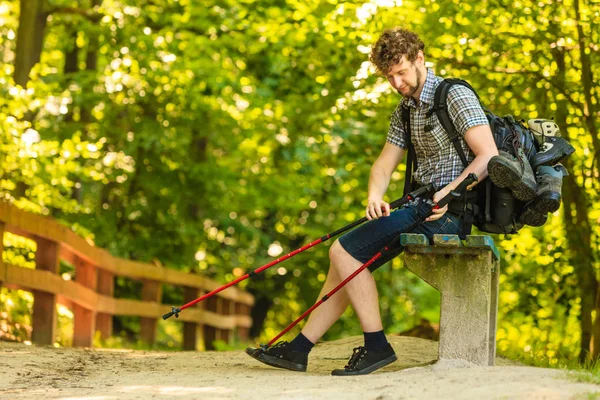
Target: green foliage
(214, 136)
(15, 314)
(588, 372)
(587, 376)
(587, 396)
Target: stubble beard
(414, 89)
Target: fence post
(2, 268)
(228, 309)
(106, 287)
(192, 331)
(44, 303)
(243, 333)
(151, 291)
(210, 332)
(84, 319)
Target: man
(398, 55)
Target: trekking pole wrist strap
(458, 191)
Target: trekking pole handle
(174, 311)
(411, 196)
(458, 191)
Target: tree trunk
(578, 236)
(70, 67)
(595, 345)
(92, 53)
(91, 61)
(30, 38)
(587, 80)
(589, 115)
(72, 56)
(577, 225)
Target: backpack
(490, 208)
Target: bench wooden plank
(413, 240)
(483, 241)
(449, 244)
(447, 240)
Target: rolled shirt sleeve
(396, 134)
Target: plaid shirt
(437, 159)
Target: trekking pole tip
(174, 311)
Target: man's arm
(481, 142)
(381, 173)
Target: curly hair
(392, 45)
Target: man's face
(405, 77)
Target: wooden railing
(91, 294)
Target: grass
(587, 396)
(586, 374)
(589, 372)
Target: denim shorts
(365, 241)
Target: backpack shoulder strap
(411, 161)
(440, 107)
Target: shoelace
(279, 346)
(546, 179)
(357, 355)
(516, 142)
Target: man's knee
(340, 258)
(337, 252)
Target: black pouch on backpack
(498, 210)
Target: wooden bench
(466, 274)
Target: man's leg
(294, 355)
(362, 293)
(361, 290)
(324, 316)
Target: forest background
(212, 136)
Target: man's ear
(420, 58)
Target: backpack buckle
(469, 208)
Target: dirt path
(30, 372)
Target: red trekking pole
(393, 205)
(455, 194)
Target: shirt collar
(431, 83)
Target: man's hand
(439, 212)
(376, 209)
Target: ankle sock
(375, 340)
(301, 344)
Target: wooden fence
(91, 295)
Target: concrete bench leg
(469, 289)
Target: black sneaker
(280, 355)
(365, 361)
